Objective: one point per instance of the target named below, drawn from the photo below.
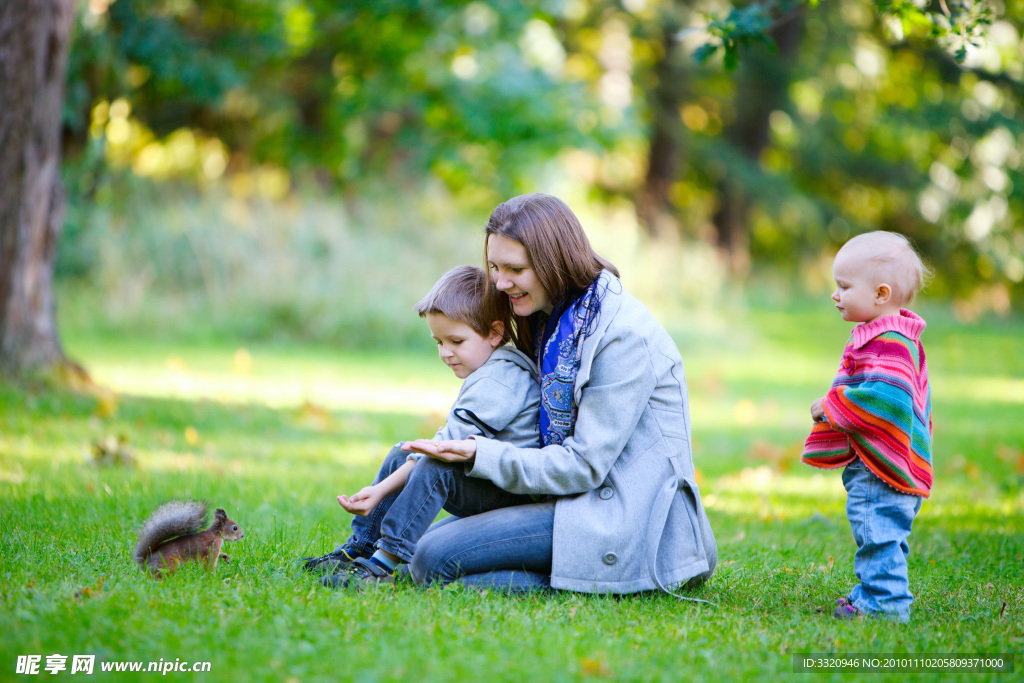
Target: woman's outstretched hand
(445, 451)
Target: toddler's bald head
(888, 257)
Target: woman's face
(512, 273)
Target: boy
(876, 418)
(499, 399)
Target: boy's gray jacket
(629, 516)
(500, 400)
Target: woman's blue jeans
(507, 549)
(398, 524)
(881, 518)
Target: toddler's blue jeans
(400, 520)
(881, 518)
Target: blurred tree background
(264, 167)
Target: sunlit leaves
(957, 26)
(744, 27)
(352, 90)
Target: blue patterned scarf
(561, 350)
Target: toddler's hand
(362, 502)
(817, 410)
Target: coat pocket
(646, 434)
(671, 422)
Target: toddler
(499, 399)
(876, 419)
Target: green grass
(273, 433)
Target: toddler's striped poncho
(879, 407)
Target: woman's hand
(363, 501)
(445, 451)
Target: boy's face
(461, 347)
(856, 293)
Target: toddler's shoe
(845, 609)
(360, 573)
(331, 563)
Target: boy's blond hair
(460, 296)
(893, 260)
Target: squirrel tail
(176, 518)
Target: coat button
(610, 558)
(607, 493)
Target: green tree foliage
(887, 114)
(888, 129)
(956, 26)
(468, 91)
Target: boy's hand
(445, 451)
(362, 502)
(817, 410)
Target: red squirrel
(172, 536)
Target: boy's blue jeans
(881, 518)
(400, 520)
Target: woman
(617, 507)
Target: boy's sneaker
(331, 563)
(359, 573)
(845, 609)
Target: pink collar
(907, 323)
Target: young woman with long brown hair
(616, 506)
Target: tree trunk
(762, 86)
(34, 42)
(654, 206)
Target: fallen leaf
(1008, 454)
(112, 450)
(745, 412)
(592, 667)
(316, 416)
(90, 591)
(242, 362)
(106, 403)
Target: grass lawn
(273, 433)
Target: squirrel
(172, 536)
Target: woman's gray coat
(629, 516)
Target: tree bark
(654, 207)
(762, 86)
(34, 42)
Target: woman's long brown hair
(559, 252)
